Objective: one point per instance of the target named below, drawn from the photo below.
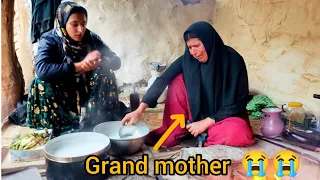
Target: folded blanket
(255, 106)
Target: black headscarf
(217, 88)
(74, 50)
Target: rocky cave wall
(279, 39)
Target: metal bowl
(120, 146)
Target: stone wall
(144, 31)
(279, 39)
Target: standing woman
(74, 70)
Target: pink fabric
(176, 103)
(232, 131)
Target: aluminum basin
(120, 147)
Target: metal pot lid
(76, 147)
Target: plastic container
(318, 123)
(295, 112)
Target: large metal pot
(122, 146)
(66, 154)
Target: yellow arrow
(179, 119)
(259, 178)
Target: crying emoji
(255, 163)
(286, 163)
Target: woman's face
(76, 26)
(197, 50)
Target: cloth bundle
(255, 106)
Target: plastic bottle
(134, 100)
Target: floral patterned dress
(54, 106)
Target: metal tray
(28, 155)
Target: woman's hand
(131, 118)
(199, 127)
(91, 62)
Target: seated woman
(209, 85)
(74, 70)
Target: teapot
(271, 123)
(156, 70)
(156, 66)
